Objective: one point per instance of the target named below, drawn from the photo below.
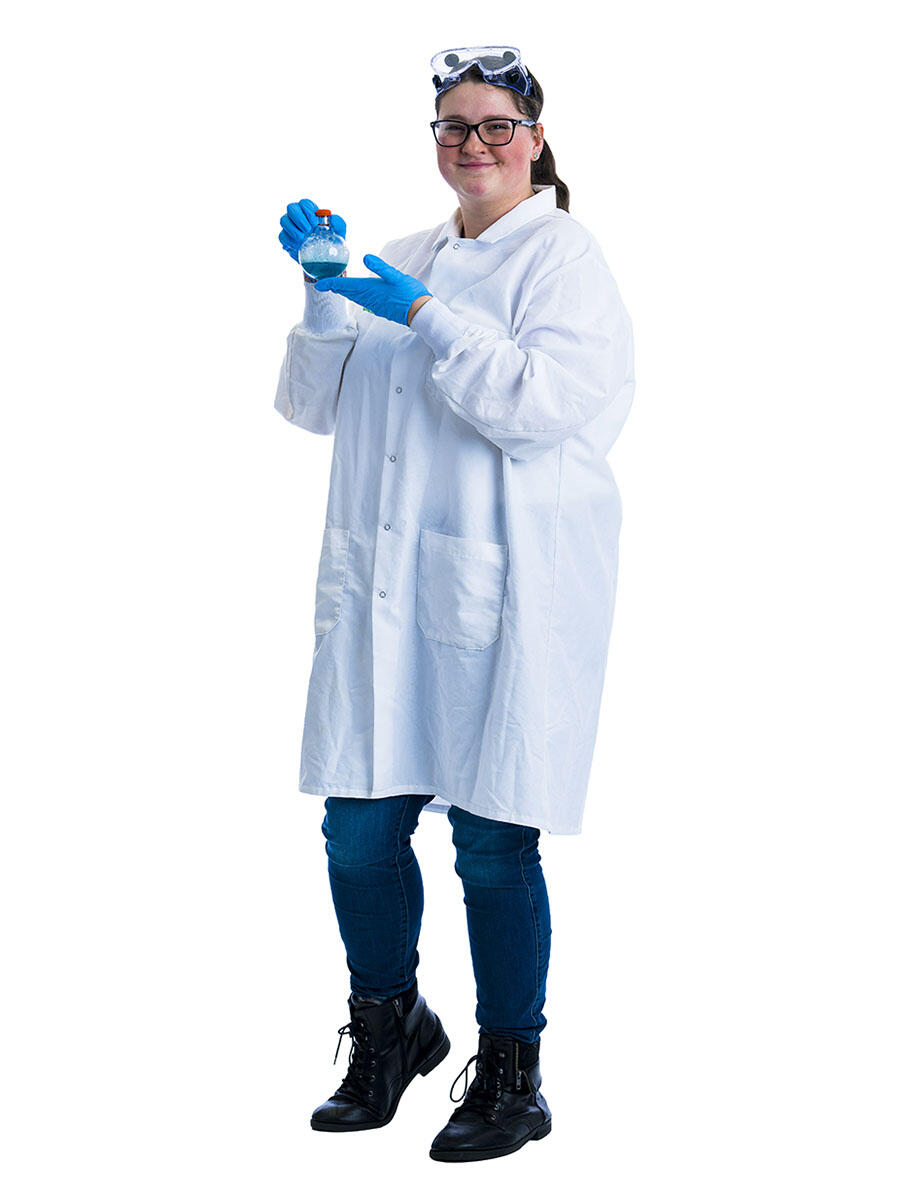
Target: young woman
(465, 588)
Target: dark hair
(543, 169)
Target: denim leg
(376, 886)
(508, 916)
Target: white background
(723, 989)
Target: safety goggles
(500, 65)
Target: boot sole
(434, 1060)
(496, 1152)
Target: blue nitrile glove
(390, 295)
(298, 223)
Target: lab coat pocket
(330, 581)
(459, 589)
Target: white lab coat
(468, 567)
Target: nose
(476, 146)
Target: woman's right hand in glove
(298, 223)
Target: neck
(479, 214)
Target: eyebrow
(492, 117)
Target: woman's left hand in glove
(390, 294)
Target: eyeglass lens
(495, 133)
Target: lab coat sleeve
(313, 366)
(569, 359)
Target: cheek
(517, 157)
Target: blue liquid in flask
(323, 270)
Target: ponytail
(543, 170)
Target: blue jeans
(378, 897)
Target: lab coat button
(456, 245)
(387, 526)
(399, 389)
(393, 458)
(382, 593)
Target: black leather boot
(393, 1041)
(502, 1109)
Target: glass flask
(324, 253)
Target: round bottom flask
(324, 254)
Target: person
(465, 588)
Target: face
(491, 172)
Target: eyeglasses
(496, 132)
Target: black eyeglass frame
(469, 128)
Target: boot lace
(362, 1063)
(485, 1096)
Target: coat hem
(367, 793)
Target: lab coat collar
(543, 200)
